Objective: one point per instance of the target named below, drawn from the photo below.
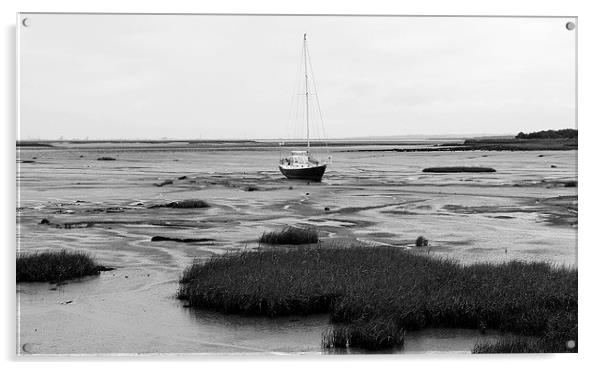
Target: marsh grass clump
(374, 294)
(55, 266)
(421, 241)
(252, 188)
(290, 235)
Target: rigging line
(313, 80)
(306, 88)
(295, 127)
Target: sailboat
(300, 164)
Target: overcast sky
(212, 77)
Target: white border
(590, 30)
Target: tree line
(567, 133)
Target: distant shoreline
(433, 145)
(491, 145)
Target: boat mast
(306, 89)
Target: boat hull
(314, 173)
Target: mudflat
(526, 210)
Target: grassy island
(55, 266)
(290, 236)
(375, 294)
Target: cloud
(141, 76)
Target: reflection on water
(299, 334)
(445, 340)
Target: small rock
(181, 240)
(553, 166)
(106, 159)
(166, 182)
(44, 221)
(456, 169)
(290, 188)
(326, 208)
(306, 193)
(182, 177)
(188, 203)
(104, 268)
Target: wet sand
(524, 211)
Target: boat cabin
(298, 158)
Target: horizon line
(373, 137)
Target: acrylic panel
(326, 185)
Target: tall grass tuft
(370, 335)
(290, 235)
(54, 266)
(374, 294)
